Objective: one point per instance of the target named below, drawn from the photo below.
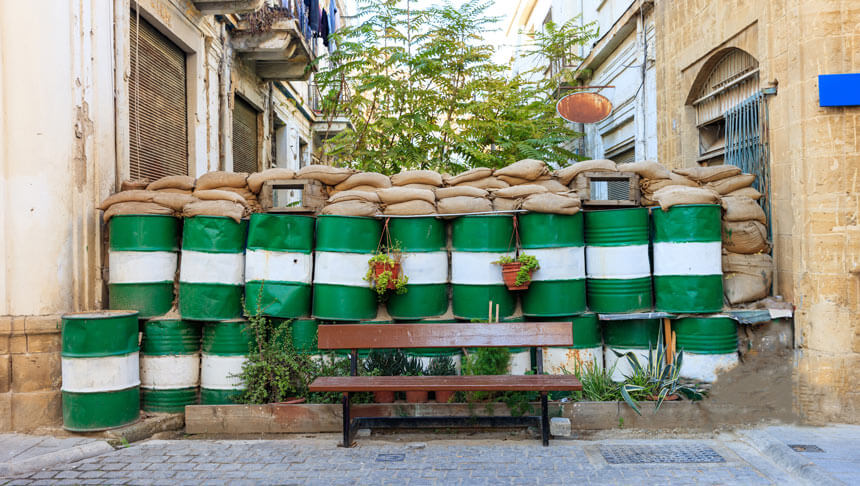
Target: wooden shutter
(158, 127)
(244, 136)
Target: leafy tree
(423, 92)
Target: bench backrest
(445, 335)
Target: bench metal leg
(347, 436)
(544, 419)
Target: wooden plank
(445, 335)
(446, 383)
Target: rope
(382, 235)
(515, 236)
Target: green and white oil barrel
(304, 336)
(101, 370)
(617, 265)
(142, 261)
(424, 261)
(225, 349)
(587, 349)
(211, 275)
(710, 346)
(476, 242)
(688, 276)
(169, 365)
(521, 361)
(558, 285)
(634, 335)
(279, 265)
(344, 246)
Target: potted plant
(385, 362)
(415, 368)
(442, 366)
(658, 380)
(517, 272)
(384, 274)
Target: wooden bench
(456, 335)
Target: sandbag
(220, 178)
(353, 195)
(172, 182)
(427, 187)
(135, 207)
(749, 192)
(394, 195)
(362, 188)
(519, 191)
(648, 169)
(428, 177)
(708, 174)
(217, 195)
(171, 190)
(653, 185)
(745, 237)
(133, 195)
(372, 179)
(739, 208)
(567, 174)
(173, 201)
(470, 175)
(134, 184)
(747, 278)
(673, 195)
(528, 169)
(227, 209)
(647, 202)
(414, 206)
(242, 191)
(553, 185)
(515, 181)
(729, 184)
(352, 208)
(463, 204)
(551, 203)
(256, 180)
(506, 204)
(445, 192)
(486, 183)
(324, 173)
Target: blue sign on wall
(839, 89)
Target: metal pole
(544, 419)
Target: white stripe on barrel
(622, 367)
(94, 375)
(425, 267)
(218, 268)
(706, 367)
(278, 266)
(521, 362)
(141, 266)
(693, 258)
(169, 372)
(558, 360)
(221, 372)
(619, 262)
(567, 263)
(341, 268)
(477, 268)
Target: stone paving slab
(839, 444)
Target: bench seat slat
(446, 383)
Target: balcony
(327, 124)
(223, 7)
(282, 49)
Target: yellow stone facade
(814, 163)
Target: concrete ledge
(584, 416)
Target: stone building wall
(814, 162)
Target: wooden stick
(497, 312)
(667, 337)
(490, 312)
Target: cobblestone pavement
(437, 461)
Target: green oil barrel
(635, 335)
(101, 370)
(688, 259)
(211, 276)
(477, 242)
(225, 349)
(344, 246)
(558, 286)
(587, 346)
(142, 257)
(169, 365)
(710, 346)
(279, 265)
(424, 261)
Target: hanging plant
(385, 274)
(517, 273)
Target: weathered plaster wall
(815, 165)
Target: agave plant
(659, 375)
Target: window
(245, 151)
(158, 128)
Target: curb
(784, 456)
(71, 454)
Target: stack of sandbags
(256, 180)
(462, 199)
(480, 177)
(177, 184)
(511, 198)
(232, 182)
(328, 175)
(746, 278)
(417, 179)
(526, 171)
(653, 177)
(747, 268)
(670, 196)
(400, 201)
(352, 203)
(137, 201)
(548, 202)
(134, 184)
(573, 175)
(362, 181)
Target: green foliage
(597, 384)
(426, 93)
(380, 282)
(414, 367)
(334, 365)
(494, 361)
(385, 362)
(528, 264)
(441, 366)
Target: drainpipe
(640, 95)
(225, 145)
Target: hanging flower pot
(509, 274)
(517, 273)
(381, 267)
(385, 275)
